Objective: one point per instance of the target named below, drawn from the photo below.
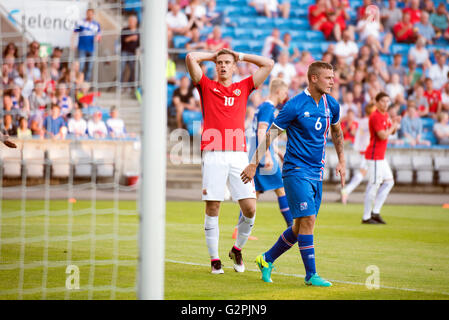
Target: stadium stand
(246, 31)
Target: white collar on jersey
(269, 101)
(307, 92)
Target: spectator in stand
(414, 11)
(55, 69)
(170, 73)
(302, 66)
(446, 35)
(390, 15)
(412, 126)
(273, 45)
(433, 97)
(379, 68)
(33, 52)
(77, 126)
(196, 43)
(349, 126)
(440, 20)
(393, 112)
(371, 33)
(8, 126)
(10, 51)
(398, 68)
(425, 29)
(39, 100)
(183, 99)
(115, 125)
(23, 132)
(445, 97)
(396, 90)
(5, 76)
(213, 17)
(242, 72)
(441, 128)
(359, 96)
(420, 54)
(438, 72)
(319, 20)
(428, 7)
(271, 8)
(293, 51)
(346, 48)
(284, 69)
(196, 11)
(89, 34)
(215, 41)
(404, 31)
(63, 100)
(8, 107)
(348, 104)
(177, 24)
(19, 101)
(130, 43)
(54, 125)
(422, 104)
(96, 128)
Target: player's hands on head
(248, 173)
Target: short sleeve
(335, 109)
(265, 113)
(204, 81)
(248, 84)
(376, 124)
(286, 115)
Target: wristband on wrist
(241, 56)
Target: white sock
(212, 235)
(355, 181)
(382, 194)
(244, 230)
(370, 195)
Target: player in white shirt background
(361, 141)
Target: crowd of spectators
(47, 96)
(360, 50)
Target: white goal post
(153, 159)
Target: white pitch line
(302, 276)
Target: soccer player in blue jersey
(307, 118)
(268, 174)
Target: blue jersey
(307, 126)
(266, 112)
(87, 31)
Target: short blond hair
(276, 84)
(316, 67)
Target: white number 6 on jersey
(318, 124)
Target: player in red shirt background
(380, 176)
(223, 143)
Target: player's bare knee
(212, 208)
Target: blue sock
(285, 210)
(307, 250)
(285, 242)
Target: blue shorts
(303, 196)
(265, 181)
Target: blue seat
(243, 22)
(262, 22)
(240, 45)
(427, 123)
(189, 118)
(243, 33)
(179, 42)
(302, 24)
(170, 89)
(429, 135)
(313, 35)
(281, 23)
(401, 48)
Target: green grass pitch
(411, 253)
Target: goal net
(69, 200)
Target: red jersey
(224, 110)
(433, 97)
(407, 35)
(315, 19)
(377, 122)
(415, 14)
(347, 129)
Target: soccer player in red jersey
(380, 176)
(223, 143)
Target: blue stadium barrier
(188, 117)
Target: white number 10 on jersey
(229, 101)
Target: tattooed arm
(337, 139)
